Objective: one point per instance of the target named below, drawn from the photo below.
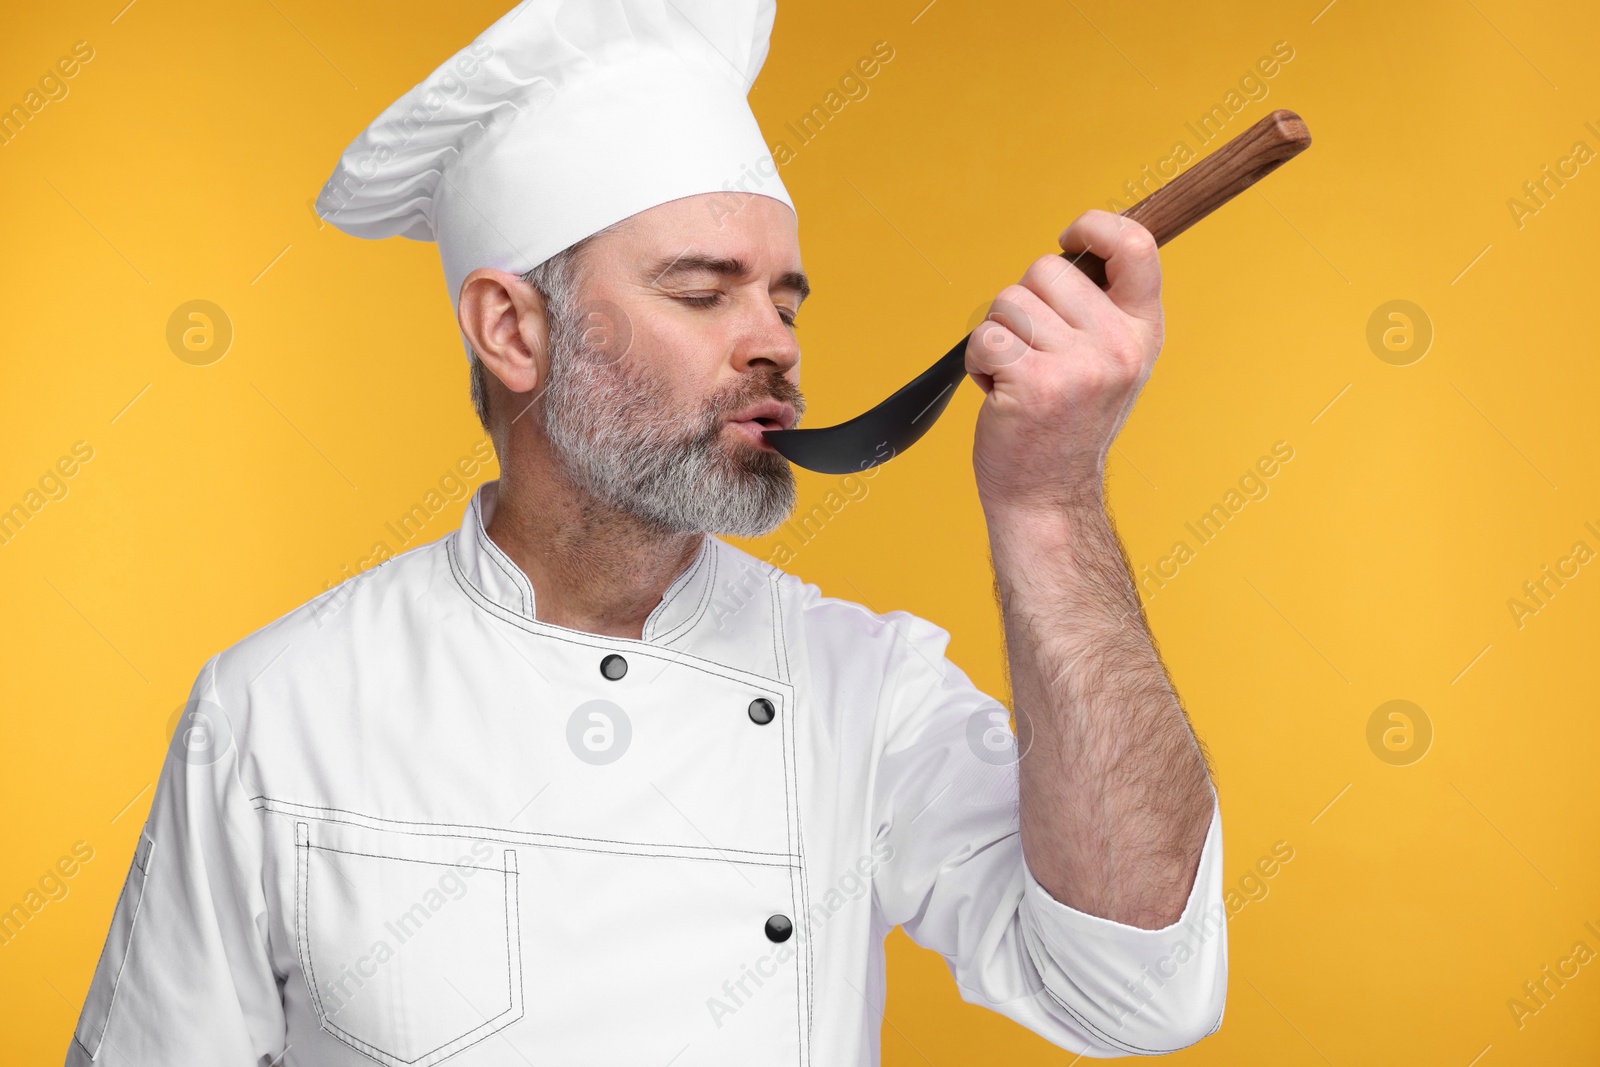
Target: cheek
(688, 361)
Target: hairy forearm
(1115, 792)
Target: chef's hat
(562, 118)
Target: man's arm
(1116, 798)
(185, 975)
(953, 874)
(1115, 795)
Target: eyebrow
(726, 266)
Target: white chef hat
(562, 118)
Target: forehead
(757, 229)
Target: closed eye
(713, 299)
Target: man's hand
(1061, 362)
(1115, 797)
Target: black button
(762, 711)
(779, 928)
(613, 666)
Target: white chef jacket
(410, 823)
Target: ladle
(884, 431)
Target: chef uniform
(410, 823)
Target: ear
(503, 318)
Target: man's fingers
(1018, 321)
(1133, 266)
(1069, 293)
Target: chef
(583, 783)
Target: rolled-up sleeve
(185, 976)
(945, 802)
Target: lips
(767, 415)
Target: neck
(593, 568)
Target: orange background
(1379, 565)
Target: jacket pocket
(102, 996)
(410, 958)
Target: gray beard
(616, 436)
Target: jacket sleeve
(185, 976)
(945, 800)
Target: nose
(766, 340)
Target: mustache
(743, 394)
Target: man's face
(680, 352)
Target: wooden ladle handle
(1210, 183)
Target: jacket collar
(494, 575)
